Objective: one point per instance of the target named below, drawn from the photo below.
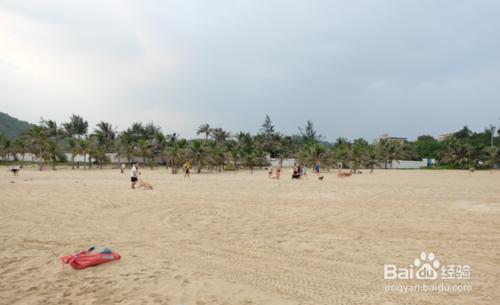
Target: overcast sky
(355, 68)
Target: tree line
(218, 149)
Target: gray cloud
(358, 68)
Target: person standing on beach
(134, 175)
(187, 166)
(270, 171)
(122, 168)
(317, 167)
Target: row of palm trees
(217, 149)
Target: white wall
(286, 162)
(411, 164)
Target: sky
(357, 68)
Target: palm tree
(233, 152)
(54, 153)
(219, 135)
(284, 148)
(492, 154)
(244, 141)
(76, 127)
(474, 154)
(218, 157)
(105, 134)
(124, 146)
(51, 128)
(85, 150)
(358, 152)
(22, 147)
(342, 152)
(371, 158)
(252, 157)
(198, 153)
(249, 160)
(175, 152)
(173, 155)
(5, 147)
(159, 143)
(99, 153)
(36, 137)
(74, 147)
(260, 157)
(457, 152)
(145, 150)
(391, 150)
(204, 129)
(312, 154)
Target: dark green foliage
(11, 127)
(220, 150)
(427, 147)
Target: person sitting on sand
(295, 174)
(186, 167)
(134, 175)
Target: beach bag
(89, 258)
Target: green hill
(11, 127)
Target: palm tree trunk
(41, 160)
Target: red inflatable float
(89, 258)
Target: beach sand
(236, 238)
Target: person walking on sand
(134, 175)
(187, 166)
(122, 168)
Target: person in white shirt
(122, 168)
(134, 174)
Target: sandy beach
(236, 238)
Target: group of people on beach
(134, 172)
(271, 171)
(298, 171)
